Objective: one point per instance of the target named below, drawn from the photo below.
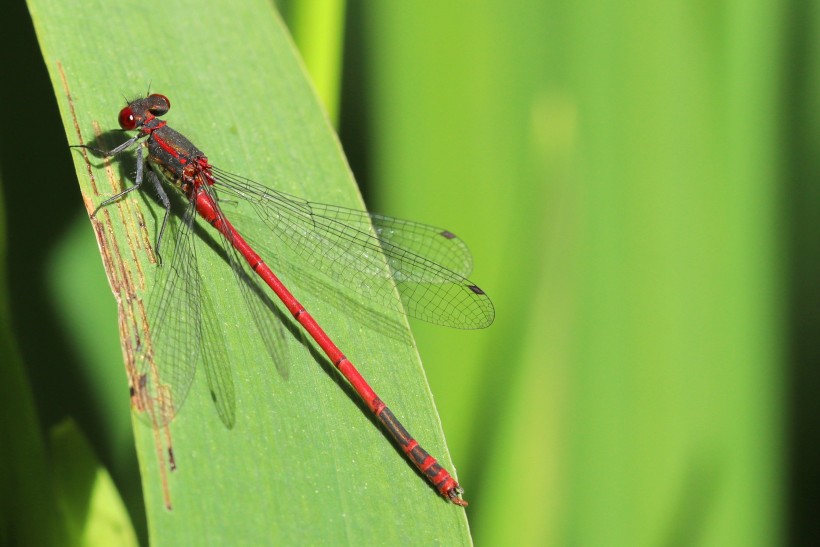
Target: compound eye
(159, 104)
(127, 119)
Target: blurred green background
(638, 183)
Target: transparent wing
(180, 335)
(435, 244)
(258, 300)
(372, 254)
(215, 362)
(168, 353)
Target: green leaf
(304, 463)
(317, 28)
(92, 509)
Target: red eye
(127, 120)
(159, 104)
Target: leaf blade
(244, 483)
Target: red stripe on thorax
(165, 145)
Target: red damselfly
(370, 253)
